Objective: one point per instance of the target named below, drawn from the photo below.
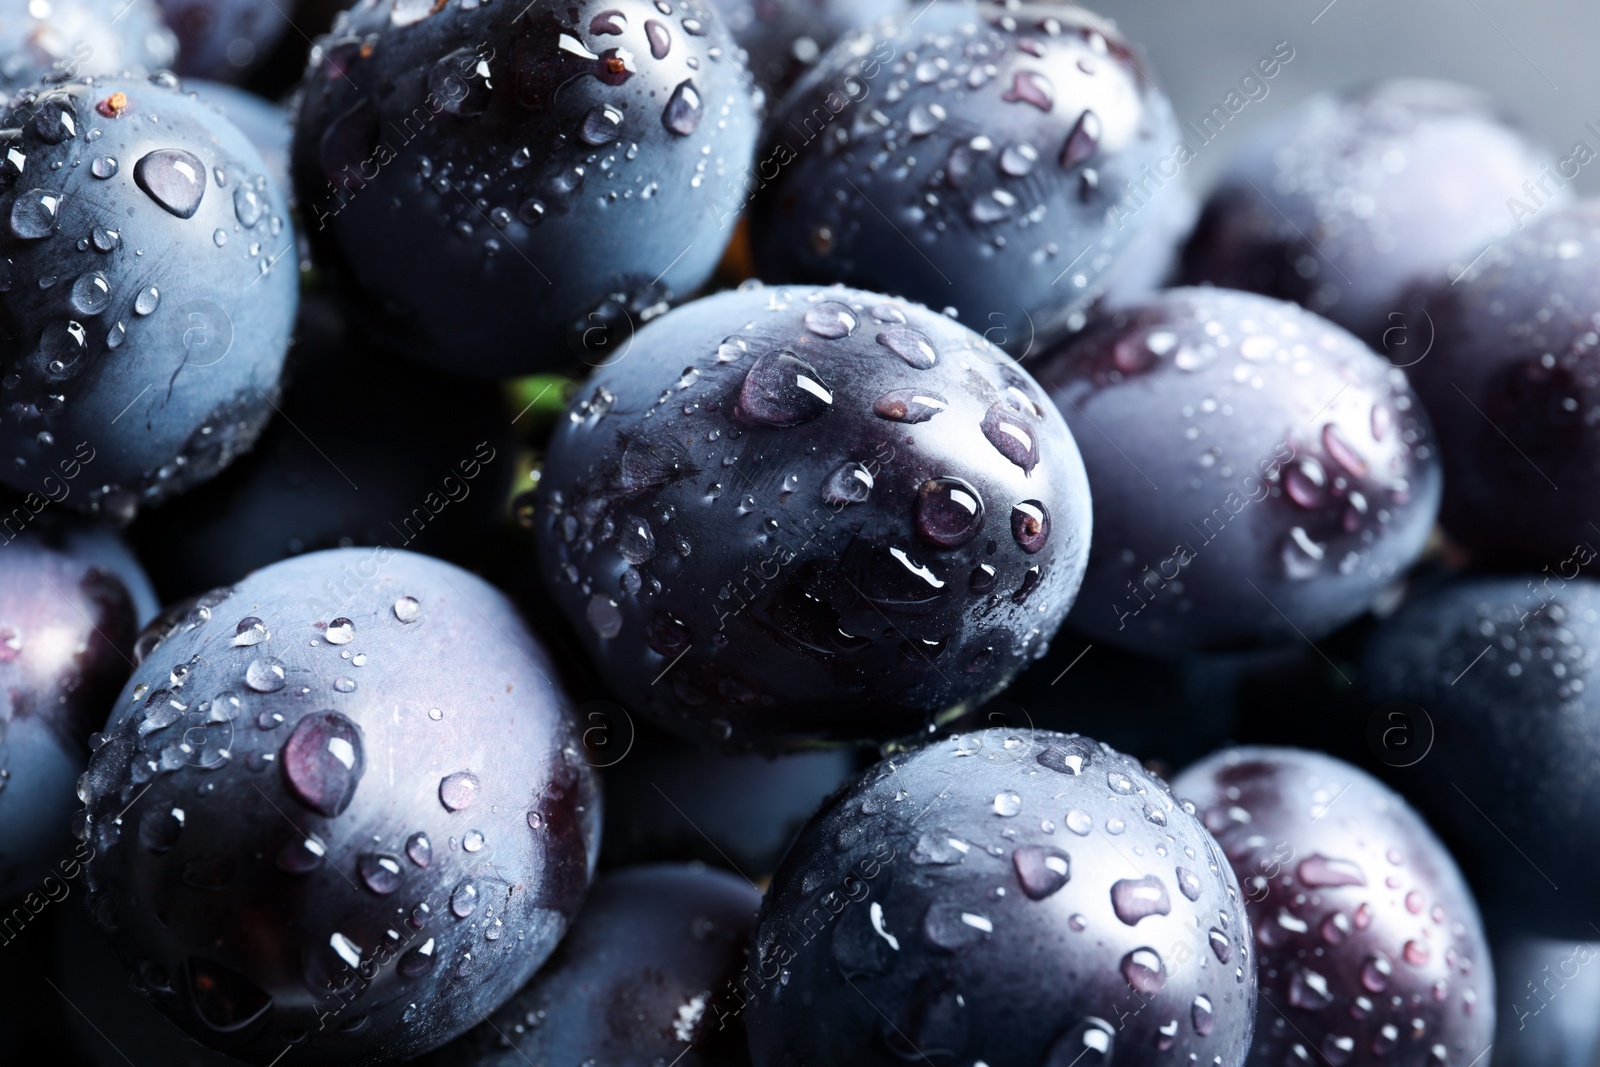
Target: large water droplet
(173, 178)
(459, 82)
(1082, 141)
(1071, 756)
(660, 38)
(1041, 871)
(953, 928)
(683, 111)
(1202, 1016)
(831, 320)
(265, 675)
(1318, 871)
(104, 167)
(782, 389)
(379, 872)
(949, 512)
(635, 541)
(1309, 991)
(849, 484)
(909, 405)
(407, 609)
(913, 346)
(1139, 898)
(464, 901)
(323, 762)
(1030, 526)
(1375, 973)
(601, 126)
(247, 205)
(1144, 970)
(417, 962)
(1008, 803)
(1188, 883)
(223, 999)
(35, 214)
(458, 791)
(147, 301)
(1030, 87)
(1011, 437)
(251, 631)
(419, 850)
(340, 631)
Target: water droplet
(459, 82)
(1375, 973)
(913, 346)
(1220, 945)
(1041, 871)
(1069, 756)
(954, 929)
(849, 484)
(1030, 526)
(173, 178)
(601, 126)
(1011, 437)
(91, 294)
(949, 512)
(407, 609)
(35, 213)
(1144, 970)
(1202, 1016)
(223, 999)
(1030, 87)
(1318, 872)
(1188, 884)
(340, 631)
(159, 830)
(302, 856)
(419, 850)
(831, 320)
(1139, 898)
(104, 167)
(464, 901)
(417, 962)
(1007, 803)
(1302, 557)
(1416, 953)
(683, 111)
(782, 389)
(147, 301)
(250, 631)
(265, 675)
(1079, 822)
(323, 762)
(458, 791)
(1341, 451)
(1309, 991)
(1082, 141)
(660, 38)
(1018, 159)
(247, 205)
(1088, 1044)
(344, 685)
(924, 119)
(909, 406)
(604, 615)
(379, 872)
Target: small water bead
(35, 213)
(1011, 437)
(660, 38)
(464, 901)
(949, 512)
(302, 856)
(1309, 991)
(458, 791)
(1018, 159)
(1007, 804)
(419, 850)
(379, 872)
(1188, 883)
(684, 110)
(1319, 872)
(849, 484)
(1029, 87)
(1375, 973)
(344, 685)
(417, 962)
(1030, 526)
(831, 320)
(913, 346)
(601, 126)
(1134, 899)
(147, 301)
(1082, 142)
(265, 675)
(1202, 1016)
(1144, 970)
(1041, 871)
(1079, 822)
(909, 406)
(782, 390)
(340, 632)
(407, 609)
(1221, 947)
(91, 294)
(473, 841)
(173, 178)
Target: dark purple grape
(1368, 942)
(799, 513)
(1352, 197)
(1512, 383)
(975, 155)
(1002, 897)
(1259, 475)
(637, 981)
(341, 807)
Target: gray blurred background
(1539, 58)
